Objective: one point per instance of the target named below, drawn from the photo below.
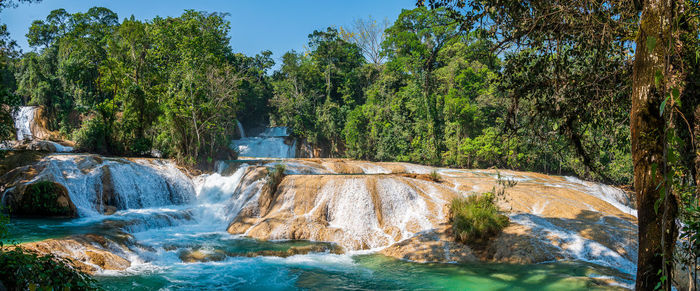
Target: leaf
(651, 43)
(663, 106)
(658, 78)
(676, 96)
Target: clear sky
(274, 25)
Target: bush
(475, 219)
(43, 199)
(93, 136)
(434, 176)
(23, 270)
(275, 176)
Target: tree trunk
(647, 126)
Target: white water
(615, 196)
(240, 129)
(173, 214)
(576, 246)
(136, 184)
(272, 143)
(24, 117)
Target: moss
(44, 198)
(475, 219)
(275, 176)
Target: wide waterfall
(24, 117)
(94, 182)
(227, 229)
(274, 142)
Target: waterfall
(24, 117)
(240, 128)
(93, 182)
(272, 143)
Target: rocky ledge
(400, 211)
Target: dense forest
(421, 89)
(606, 90)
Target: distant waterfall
(240, 128)
(272, 143)
(24, 117)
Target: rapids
(274, 142)
(173, 229)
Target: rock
(83, 252)
(109, 210)
(431, 246)
(42, 145)
(346, 209)
(40, 199)
(202, 256)
(299, 250)
(401, 210)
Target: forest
(544, 87)
(420, 89)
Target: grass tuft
(275, 176)
(434, 176)
(476, 218)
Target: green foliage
(435, 176)
(476, 218)
(275, 176)
(41, 199)
(7, 83)
(314, 91)
(171, 84)
(23, 270)
(93, 136)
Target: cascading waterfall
(174, 220)
(24, 117)
(272, 143)
(240, 129)
(94, 182)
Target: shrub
(23, 270)
(434, 176)
(93, 136)
(275, 176)
(43, 199)
(476, 218)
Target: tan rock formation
(85, 253)
(397, 208)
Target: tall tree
(570, 24)
(413, 43)
(368, 34)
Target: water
(272, 143)
(24, 117)
(178, 241)
(92, 182)
(162, 269)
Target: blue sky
(276, 25)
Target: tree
(567, 27)
(368, 35)
(315, 91)
(200, 102)
(7, 83)
(413, 44)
